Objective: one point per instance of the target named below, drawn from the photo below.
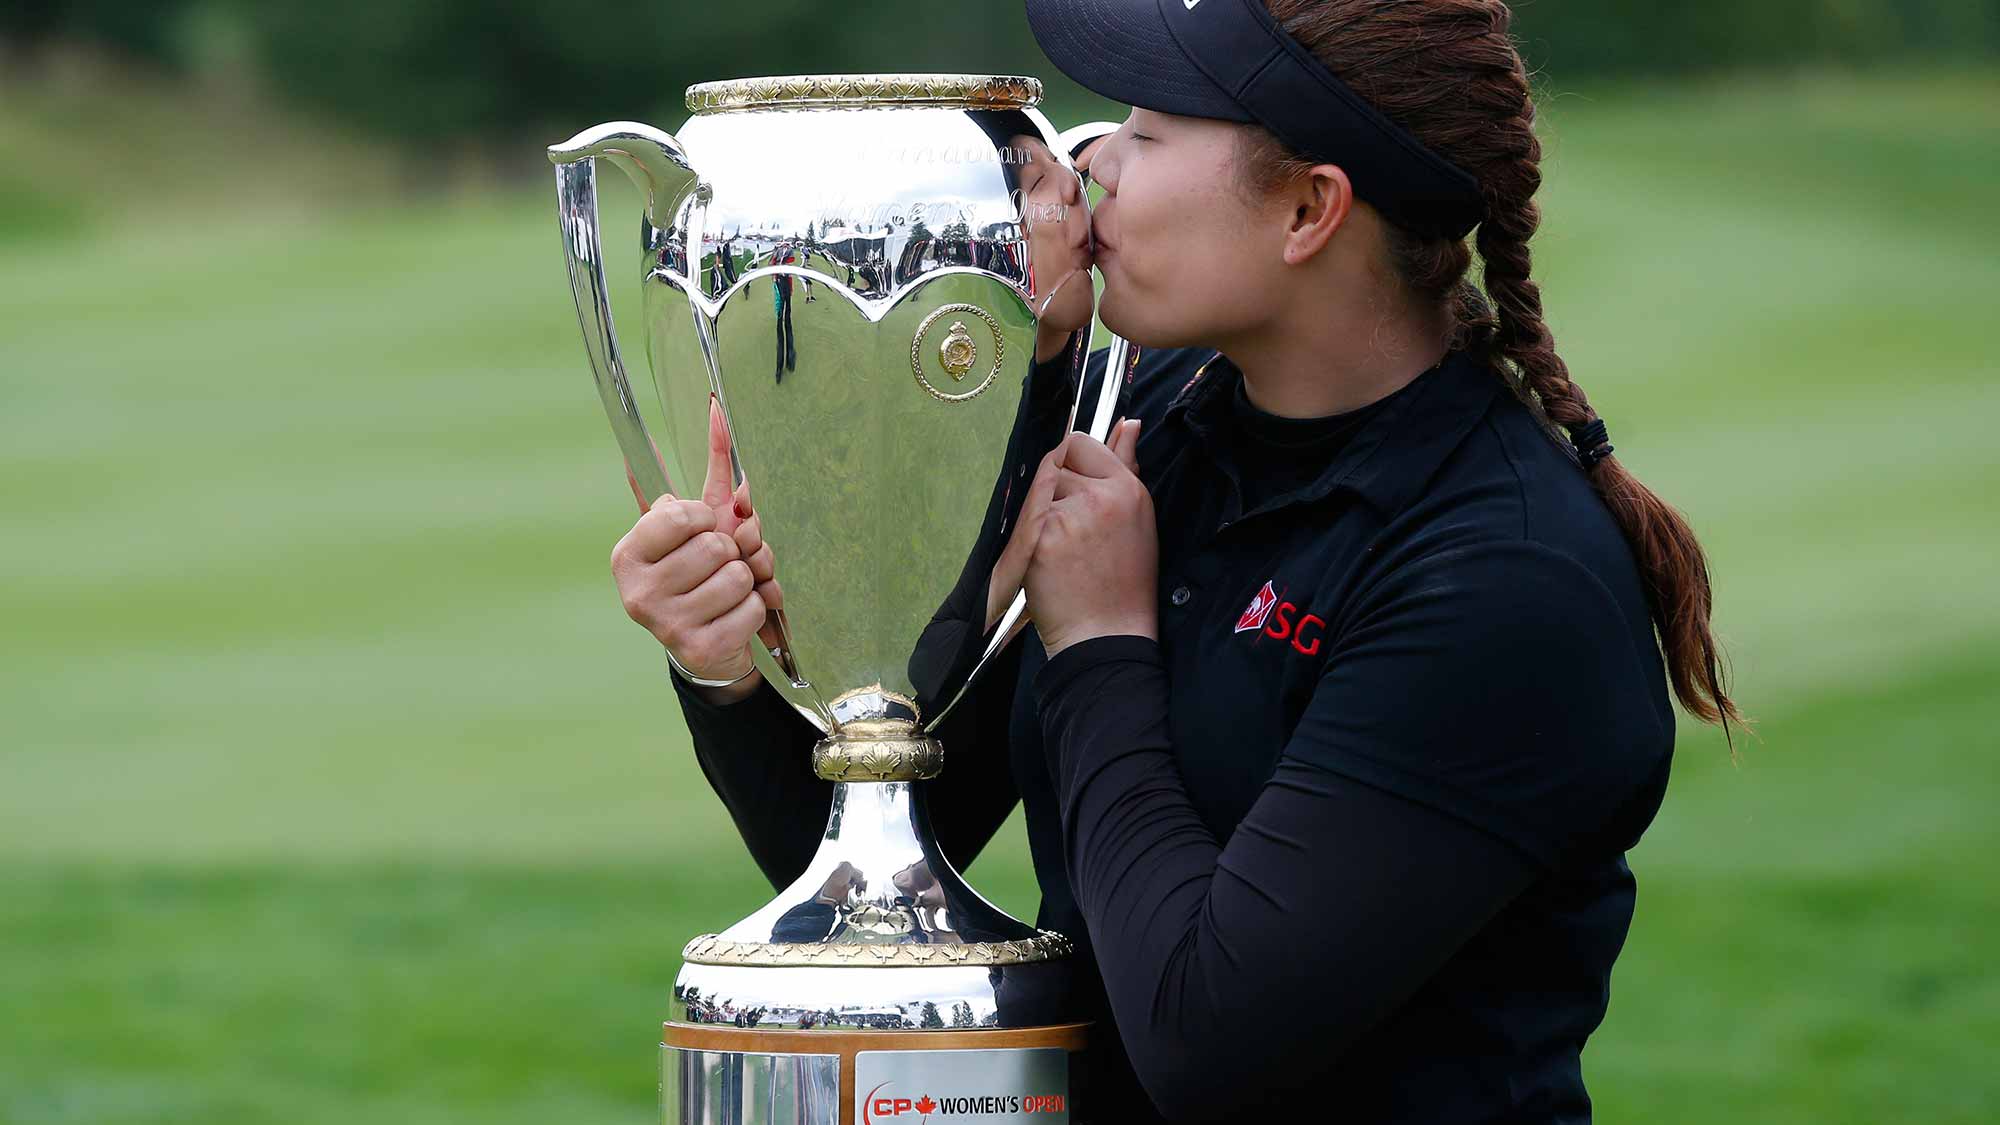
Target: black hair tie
(1593, 443)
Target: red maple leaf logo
(925, 1104)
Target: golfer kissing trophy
(855, 266)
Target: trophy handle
(656, 163)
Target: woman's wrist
(718, 691)
(734, 693)
(1080, 668)
(1054, 641)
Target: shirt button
(1181, 595)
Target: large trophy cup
(855, 267)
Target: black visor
(1229, 60)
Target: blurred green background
(335, 786)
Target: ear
(1319, 203)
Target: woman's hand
(1010, 570)
(1093, 569)
(699, 576)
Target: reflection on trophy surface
(855, 268)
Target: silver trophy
(855, 266)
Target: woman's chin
(1116, 317)
(1147, 323)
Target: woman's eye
(1141, 137)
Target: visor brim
(1122, 50)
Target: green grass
(334, 785)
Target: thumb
(1125, 443)
(718, 487)
(1010, 570)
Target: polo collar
(1394, 455)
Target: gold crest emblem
(958, 353)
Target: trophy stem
(878, 880)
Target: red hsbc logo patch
(1281, 621)
(1258, 611)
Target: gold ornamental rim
(862, 91)
(714, 949)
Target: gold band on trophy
(710, 949)
(855, 91)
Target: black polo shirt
(1347, 841)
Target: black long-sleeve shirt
(1347, 841)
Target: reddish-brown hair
(1449, 72)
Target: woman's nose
(1104, 165)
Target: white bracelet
(699, 681)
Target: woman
(1347, 688)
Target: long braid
(1519, 344)
(1672, 563)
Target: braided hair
(1450, 73)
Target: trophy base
(737, 1076)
